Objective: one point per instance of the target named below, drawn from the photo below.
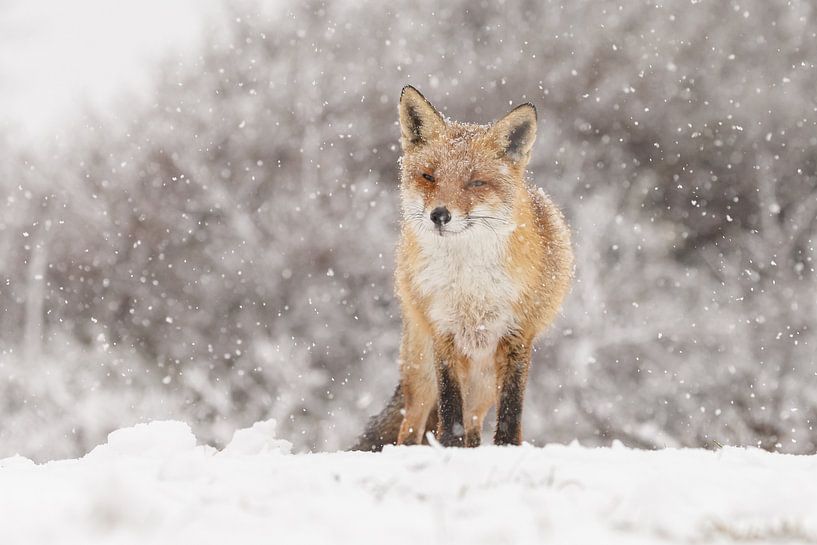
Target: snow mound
(152, 484)
(16, 461)
(154, 439)
(258, 439)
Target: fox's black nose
(440, 216)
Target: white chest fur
(470, 294)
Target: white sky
(58, 55)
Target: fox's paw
(452, 440)
(473, 438)
(502, 438)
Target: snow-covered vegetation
(153, 484)
(223, 253)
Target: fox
(484, 262)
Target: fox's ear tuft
(420, 122)
(516, 132)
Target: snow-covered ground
(153, 484)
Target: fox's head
(459, 177)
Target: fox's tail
(382, 428)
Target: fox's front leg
(513, 361)
(450, 430)
(418, 379)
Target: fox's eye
(428, 177)
(476, 183)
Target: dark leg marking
(451, 429)
(509, 412)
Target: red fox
(483, 264)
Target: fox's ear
(516, 132)
(419, 121)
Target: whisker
(501, 220)
(488, 225)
